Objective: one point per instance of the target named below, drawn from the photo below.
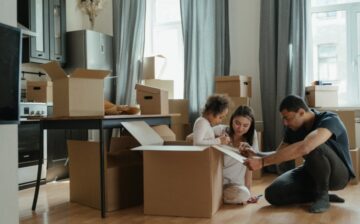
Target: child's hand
(224, 139)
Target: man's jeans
(322, 171)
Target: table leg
(41, 155)
(102, 174)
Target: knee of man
(272, 195)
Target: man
(321, 139)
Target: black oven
(29, 144)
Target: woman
(237, 178)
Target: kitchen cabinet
(47, 19)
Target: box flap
(232, 78)
(165, 132)
(171, 148)
(147, 89)
(322, 88)
(143, 133)
(89, 74)
(54, 70)
(230, 151)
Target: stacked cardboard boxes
(238, 88)
(356, 164)
(322, 96)
(153, 68)
(180, 121)
(152, 100)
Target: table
(94, 122)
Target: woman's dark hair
(216, 104)
(244, 111)
(293, 103)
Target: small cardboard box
(167, 85)
(153, 66)
(179, 180)
(321, 96)
(123, 174)
(152, 100)
(179, 107)
(356, 164)
(81, 94)
(235, 86)
(235, 103)
(39, 91)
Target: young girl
(216, 108)
(237, 178)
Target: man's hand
(246, 150)
(253, 163)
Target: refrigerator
(91, 50)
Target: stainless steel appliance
(29, 143)
(91, 50)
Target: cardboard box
(179, 107)
(39, 91)
(236, 86)
(321, 96)
(153, 66)
(356, 164)
(236, 102)
(178, 180)
(152, 100)
(123, 175)
(181, 130)
(348, 118)
(81, 94)
(167, 85)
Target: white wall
(244, 25)
(9, 208)
(77, 20)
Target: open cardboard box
(179, 180)
(81, 94)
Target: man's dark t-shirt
(338, 141)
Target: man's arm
(292, 151)
(281, 146)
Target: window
(334, 46)
(164, 37)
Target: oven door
(29, 151)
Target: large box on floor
(321, 96)
(235, 103)
(356, 164)
(179, 180)
(167, 85)
(152, 100)
(81, 94)
(39, 91)
(236, 86)
(123, 174)
(258, 173)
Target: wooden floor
(54, 207)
